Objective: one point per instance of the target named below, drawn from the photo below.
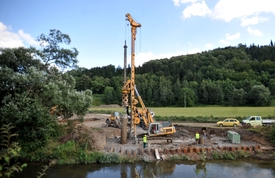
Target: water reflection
(224, 169)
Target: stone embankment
(165, 153)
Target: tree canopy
(32, 84)
(223, 76)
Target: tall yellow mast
(130, 85)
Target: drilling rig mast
(130, 84)
(140, 114)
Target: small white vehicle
(253, 121)
(257, 121)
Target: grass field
(206, 111)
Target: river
(244, 168)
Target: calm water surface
(248, 168)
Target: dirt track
(98, 120)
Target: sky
(98, 28)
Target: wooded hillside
(236, 76)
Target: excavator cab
(161, 128)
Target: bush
(83, 157)
(272, 134)
(9, 154)
(109, 158)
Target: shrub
(216, 155)
(272, 134)
(229, 155)
(84, 157)
(242, 154)
(9, 154)
(109, 158)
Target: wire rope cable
(140, 40)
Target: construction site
(123, 134)
(180, 144)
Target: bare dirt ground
(108, 138)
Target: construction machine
(140, 116)
(114, 120)
(145, 118)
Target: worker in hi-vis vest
(197, 135)
(144, 141)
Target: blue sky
(98, 28)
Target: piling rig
(140, 115)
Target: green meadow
(217, 111)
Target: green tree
(239, 97)
(108, 95)
(228, 90)
(166, 95)
(29, 89)
(188, 95)
(259, 95)
(271, 86)
(16, 60)
(215, 93)
(98, 84)
(52, 53)
(19, 59)
(85, 82)
(203, 94)
(176, 90)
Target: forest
(231, 76)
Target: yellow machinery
(140, 115)
(114, 120)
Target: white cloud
(224, 42)
(208, 45)
(252, 21)
(29, 39)
(232, 37)
(179, 2)
(190, 44)
(254, 32)
(9, 39)
(196, 9)
(249, 12)
(229, 37)
(229, 9)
